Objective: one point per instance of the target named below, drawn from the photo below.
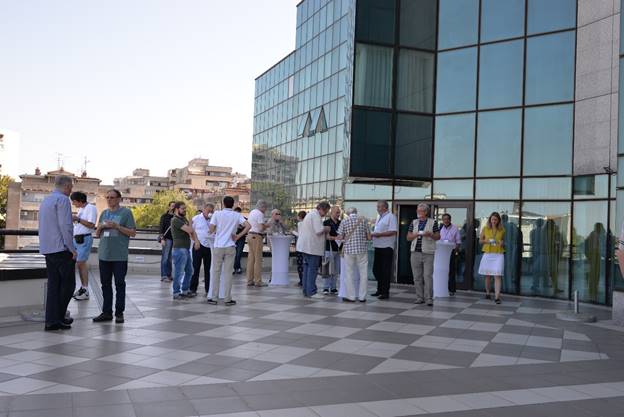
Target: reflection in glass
(550, 15)
(459, 22)
(545, 268)
(375, 20)
(370, 143)
(418, 23)
(501, 19)
(453, 189)
(454, 146)
(499, 189)
(500, 75)
(591, 186)
(498, 143)
(589, 250)
(550, 68)
(368, 192)
(373, 76)
(413, 146)
(548, 140)
(621, 103)
(415, 81)
(414, 191)
(546, 188)
(456, 80)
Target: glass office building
(471, 106)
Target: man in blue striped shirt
(56, 243)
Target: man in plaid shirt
(355, 234)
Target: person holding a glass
(493, 260)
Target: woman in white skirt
(493, 260)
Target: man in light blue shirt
(56, 243)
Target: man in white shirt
(84, 227)
(384, 236)
(255, 241)
(224, 224)
(201, 225)
(311, 243)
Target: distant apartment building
(140, 187)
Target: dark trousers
(240, 245)
(382, 269)
(118, 270)
(300, 267)
(203, 254)
(452, 285)
(61, 285)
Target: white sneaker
(317, 297)
(82, 294)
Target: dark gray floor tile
(118, 410)
(185, 341)
(5, 350)
(356, 363)
(146, 395)
(195, 392)
(94, 366)
(579, 345)
(93, 399)
(255, 365)
(41, 402)
(428, 321)
(544, 354)
(268, 324)
(196, 368)
(131, 371)
(220, 405)
(235, 374)
(515, 329)
(319, 359)
(271, 401)
(415, 353)
(56, 412)
(537, 331)
(181, 326)
(481, 319)
(385, 337)
(100, 382)
(178, 408)
(220, 360)
(6, 377)
(339, 321)
(61, 375)
(310, 342)
(504, 349)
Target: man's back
(226, 222)
(56, 228)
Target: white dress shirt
(201, 225)
(87, 213)
(226, 222)
(256, 220)
(385, 223)
(311, 238)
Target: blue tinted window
(550, 15)
(414, 140)
(370, 143)
(548, 140)
(501, 19)
(415, 81)
(418, 23)
(375, 20)
(456, 80)
(550, 68)
(499, 189)
(458, 23)
(454, 146)
(498, 143)
(500, 74)
(546, 188)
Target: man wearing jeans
(224, 224)
(354, 233)
(384, 235)
(165, 239)
(56, 243)
(311, 243)
(201, 225)
(182, 234)
(115, 229)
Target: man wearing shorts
(84, 227)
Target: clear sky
(136, 83)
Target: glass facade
(468, 105)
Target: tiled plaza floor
(277, 354)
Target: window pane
(414, 139)
(459, 22)
(498, 143)
(457, 80)
(415, 86)
(589, 250)
(513, 241)
(498, 189)
(501, 19)
(368, 192)
(591, 186)
(415, 191)
(550, 15)
(454, 146)
(452, 189)
(500, 75)
(550, 68)
(375, 20)
(548, 140)
(370, 143)
(546, 188)
(373, 76)
(621, 106)
(418, 23)
(546, 236)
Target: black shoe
(211, 302)
(376, 294)
(497, 301)
(325, 292)
(103, 317)
(68, 321)
(346, 300)
(430, 303)
(230, 303)
(192, 294)
(452, 293)
(419, 302)
(362, 301)
(383, 297)
(488, 297)
(54, 327)
(119, 318)
(334, 291)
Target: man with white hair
(56, 243)
(311, 243)
(384, 235)
(255, 241)
(354, 233)
(423, 232)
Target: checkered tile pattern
(274, 333)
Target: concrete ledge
(618, 307)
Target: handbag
(327, 264)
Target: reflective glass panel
(550, 68)
(513, 241)
(621, 106)
(548, 140)
(550, 15)
(415, 83)
(375, 20)
(589, 250)
(413, 146)
(418, 23)
(368, 192)
(498, 143)
(500, 75)
(454, 146)
(456, 80)
(546, 188)
(370, 143)
(507, 189)
(501, 19)
(459, 23)
(452, 189)
(414, 191)
(373, 76)
(546, 237)
(591, 186)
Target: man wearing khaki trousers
(423, 232)
(255, 241)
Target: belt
(256, 233)
(85, 235)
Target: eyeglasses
(111, 198)
(278, 214)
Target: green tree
(4, 195)
(148, 215)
